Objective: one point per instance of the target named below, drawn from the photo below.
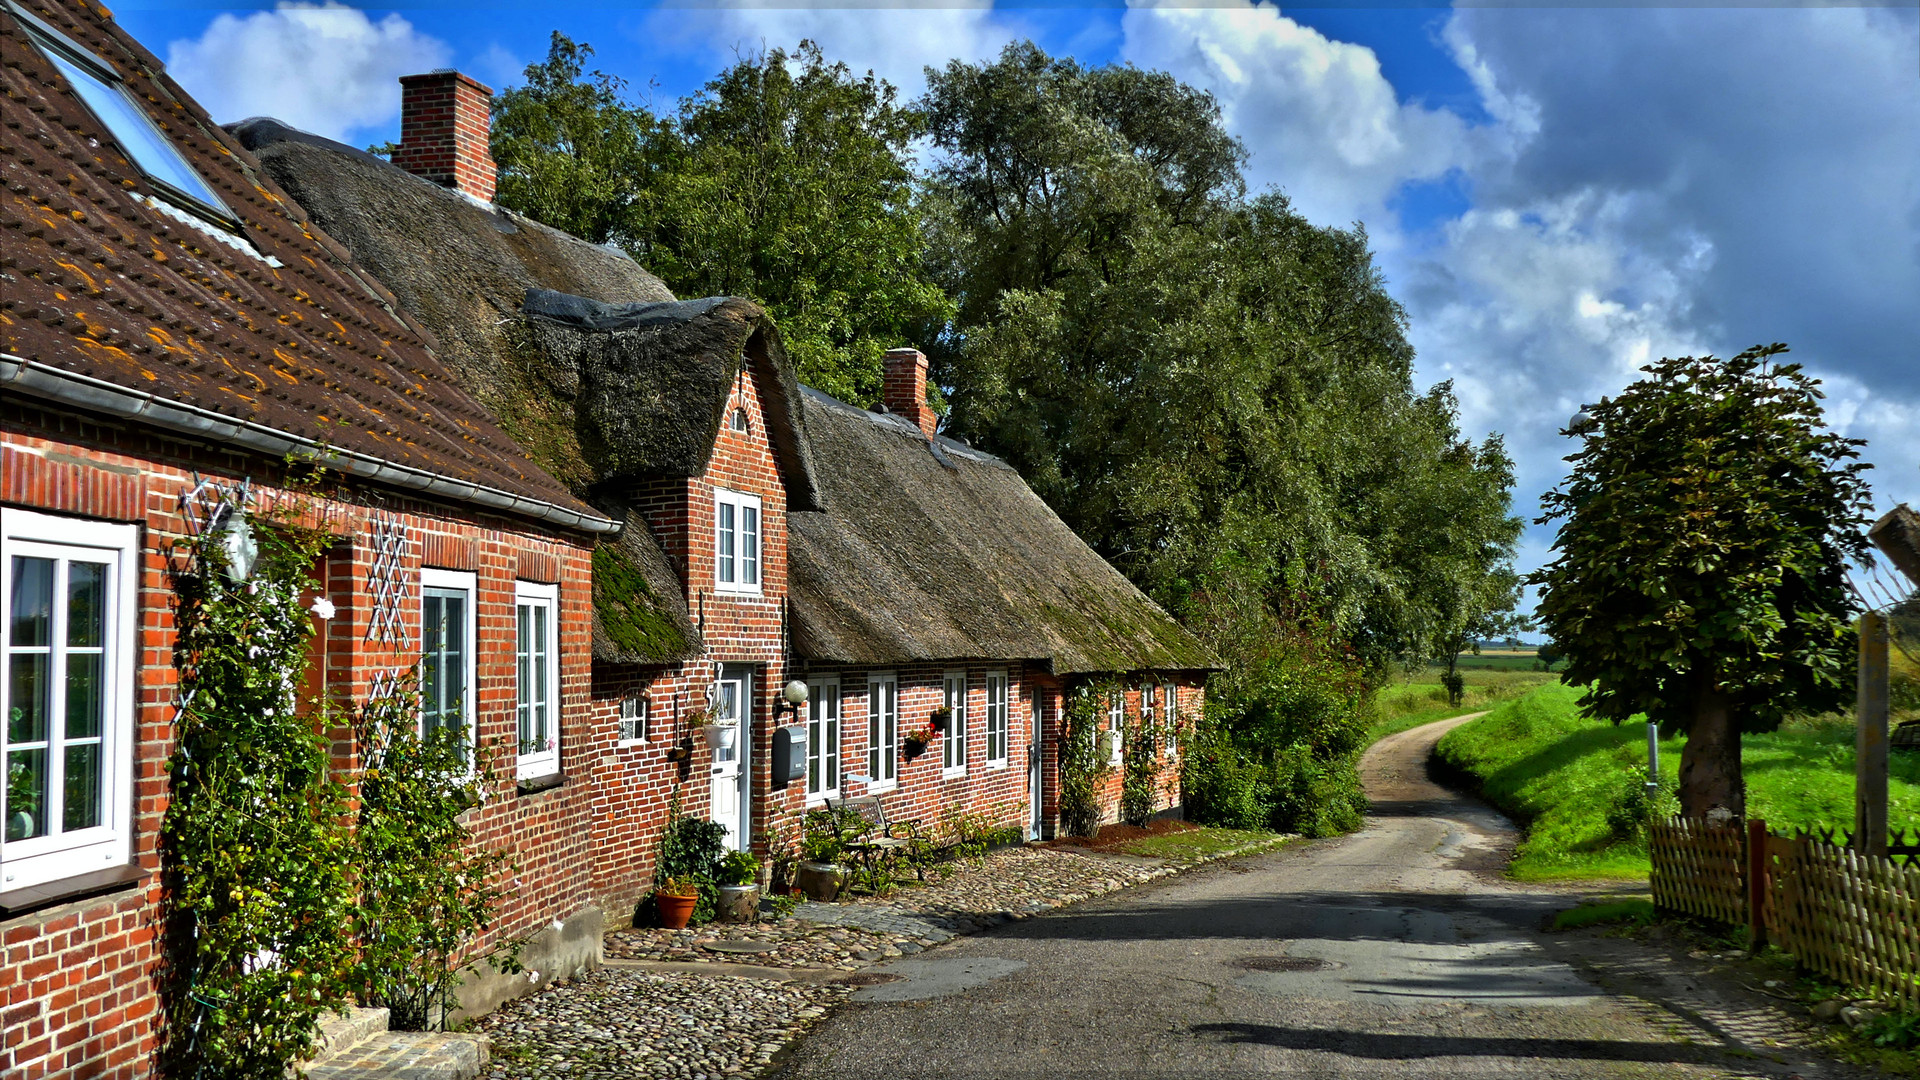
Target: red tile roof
(101, 281)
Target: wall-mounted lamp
(792, 700)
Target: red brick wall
(1191, 697)
(76, 987)
(636, 781)
(995, 794)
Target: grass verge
(1570, 779)
(1194, 845)
(1631, 912)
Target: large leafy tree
(785, 179)
(1699, 574)
(1212, 391)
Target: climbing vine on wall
(1082, 766)
(426, 892)
(255, 840)
(1140, 768)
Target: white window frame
(531, 596)
(953, 745)
(61, 854)
(1149, 709)
(737, 549)
(1117, 723)
(883, 733)
(997, 716)
(829, 748)
(635, 719)
(456, 581)
(1170, 720)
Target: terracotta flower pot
(674, 910)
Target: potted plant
(675, 900)
(820, 874)
(915, 743)
(939, 718)
(739, 876)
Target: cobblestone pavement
(1009, 884)
(631, 1022)
(619, 1022)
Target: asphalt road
(1393, 952)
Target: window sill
(533, 785)
(33, 897)
(959, 772)
(997, 765)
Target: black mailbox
(789, 755)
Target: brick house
(171, 324)
(761, 520)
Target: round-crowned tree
(1699, 575)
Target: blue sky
(1557, 195)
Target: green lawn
(1192, 845)
(1399, 706)
(1540, 761)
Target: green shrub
(692, 847)
(425, 892)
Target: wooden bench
(879, 838)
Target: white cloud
(895, 43)
(328, 69)
(1319, 118)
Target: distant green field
(1402, 705)
(1561, 774)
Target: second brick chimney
(443, 131)
(904, 388)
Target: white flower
(533, 976)
(558, 926)
(322, 608)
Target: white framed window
(996, 719)
(635, 718)
(446, 652)
(1149, 712)
(823, 738)
(1116, 726)
(736, 541)
(953, 748)
(536, 672)
(1170, 720)
(68, 696)
(883, 730)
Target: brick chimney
(443, 132)
(904, 388)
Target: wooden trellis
(390, 580)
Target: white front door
(730, 808)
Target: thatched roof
(639, 611)
(648, 383)
(585, 358)
(929, 550)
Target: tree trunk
(1711, 786)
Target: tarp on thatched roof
(929, 550)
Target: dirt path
(1394, 952)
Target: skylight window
(124, 117)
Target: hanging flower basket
(913, 746)
(940, 718)
(721, 736)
